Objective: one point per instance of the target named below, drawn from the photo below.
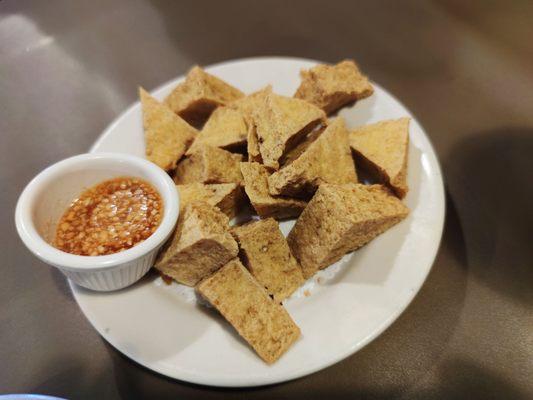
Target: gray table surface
(68, 68)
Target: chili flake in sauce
(110, 217)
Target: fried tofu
(256, 186)
(226, 128)
(340, 219)
(196, 98)
(251, 102)
(200, 245)
(246, 305)
(266, 254)
(252, 145)
(167, 136)
(325, 159)
(209, 164)
(228, 197)
(382, 149)
(330, 87)
(281, 123)
(247, 105)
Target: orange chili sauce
(110, 217)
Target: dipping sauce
(110, 217)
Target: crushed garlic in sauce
(110, 217)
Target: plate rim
(299, 373)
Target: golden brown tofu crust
(209, 164)
(281, 123)
(196, 98)
(167, 136)
(228, 197)
(383, 149)
(249, 103)
(247, 106)
(256, 186)
(340, 219)
(252, 145)
(246, 305)
(330, 87)
(200, 245)
(266, 254)
(226, 128)
(327, 159)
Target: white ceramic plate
(339, 311)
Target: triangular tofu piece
(209, 164)
(226, 196)
(247, 105)
(332, 86)
(201, 244)
(196, 98)
(246, 305)
(226, 128)
(167, 136)
(382, 149)
(325, 158)
(251, 102)
(281, 123)
(266, 254)
(340, 219)
(256, 186)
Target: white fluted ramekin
(47, 196)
